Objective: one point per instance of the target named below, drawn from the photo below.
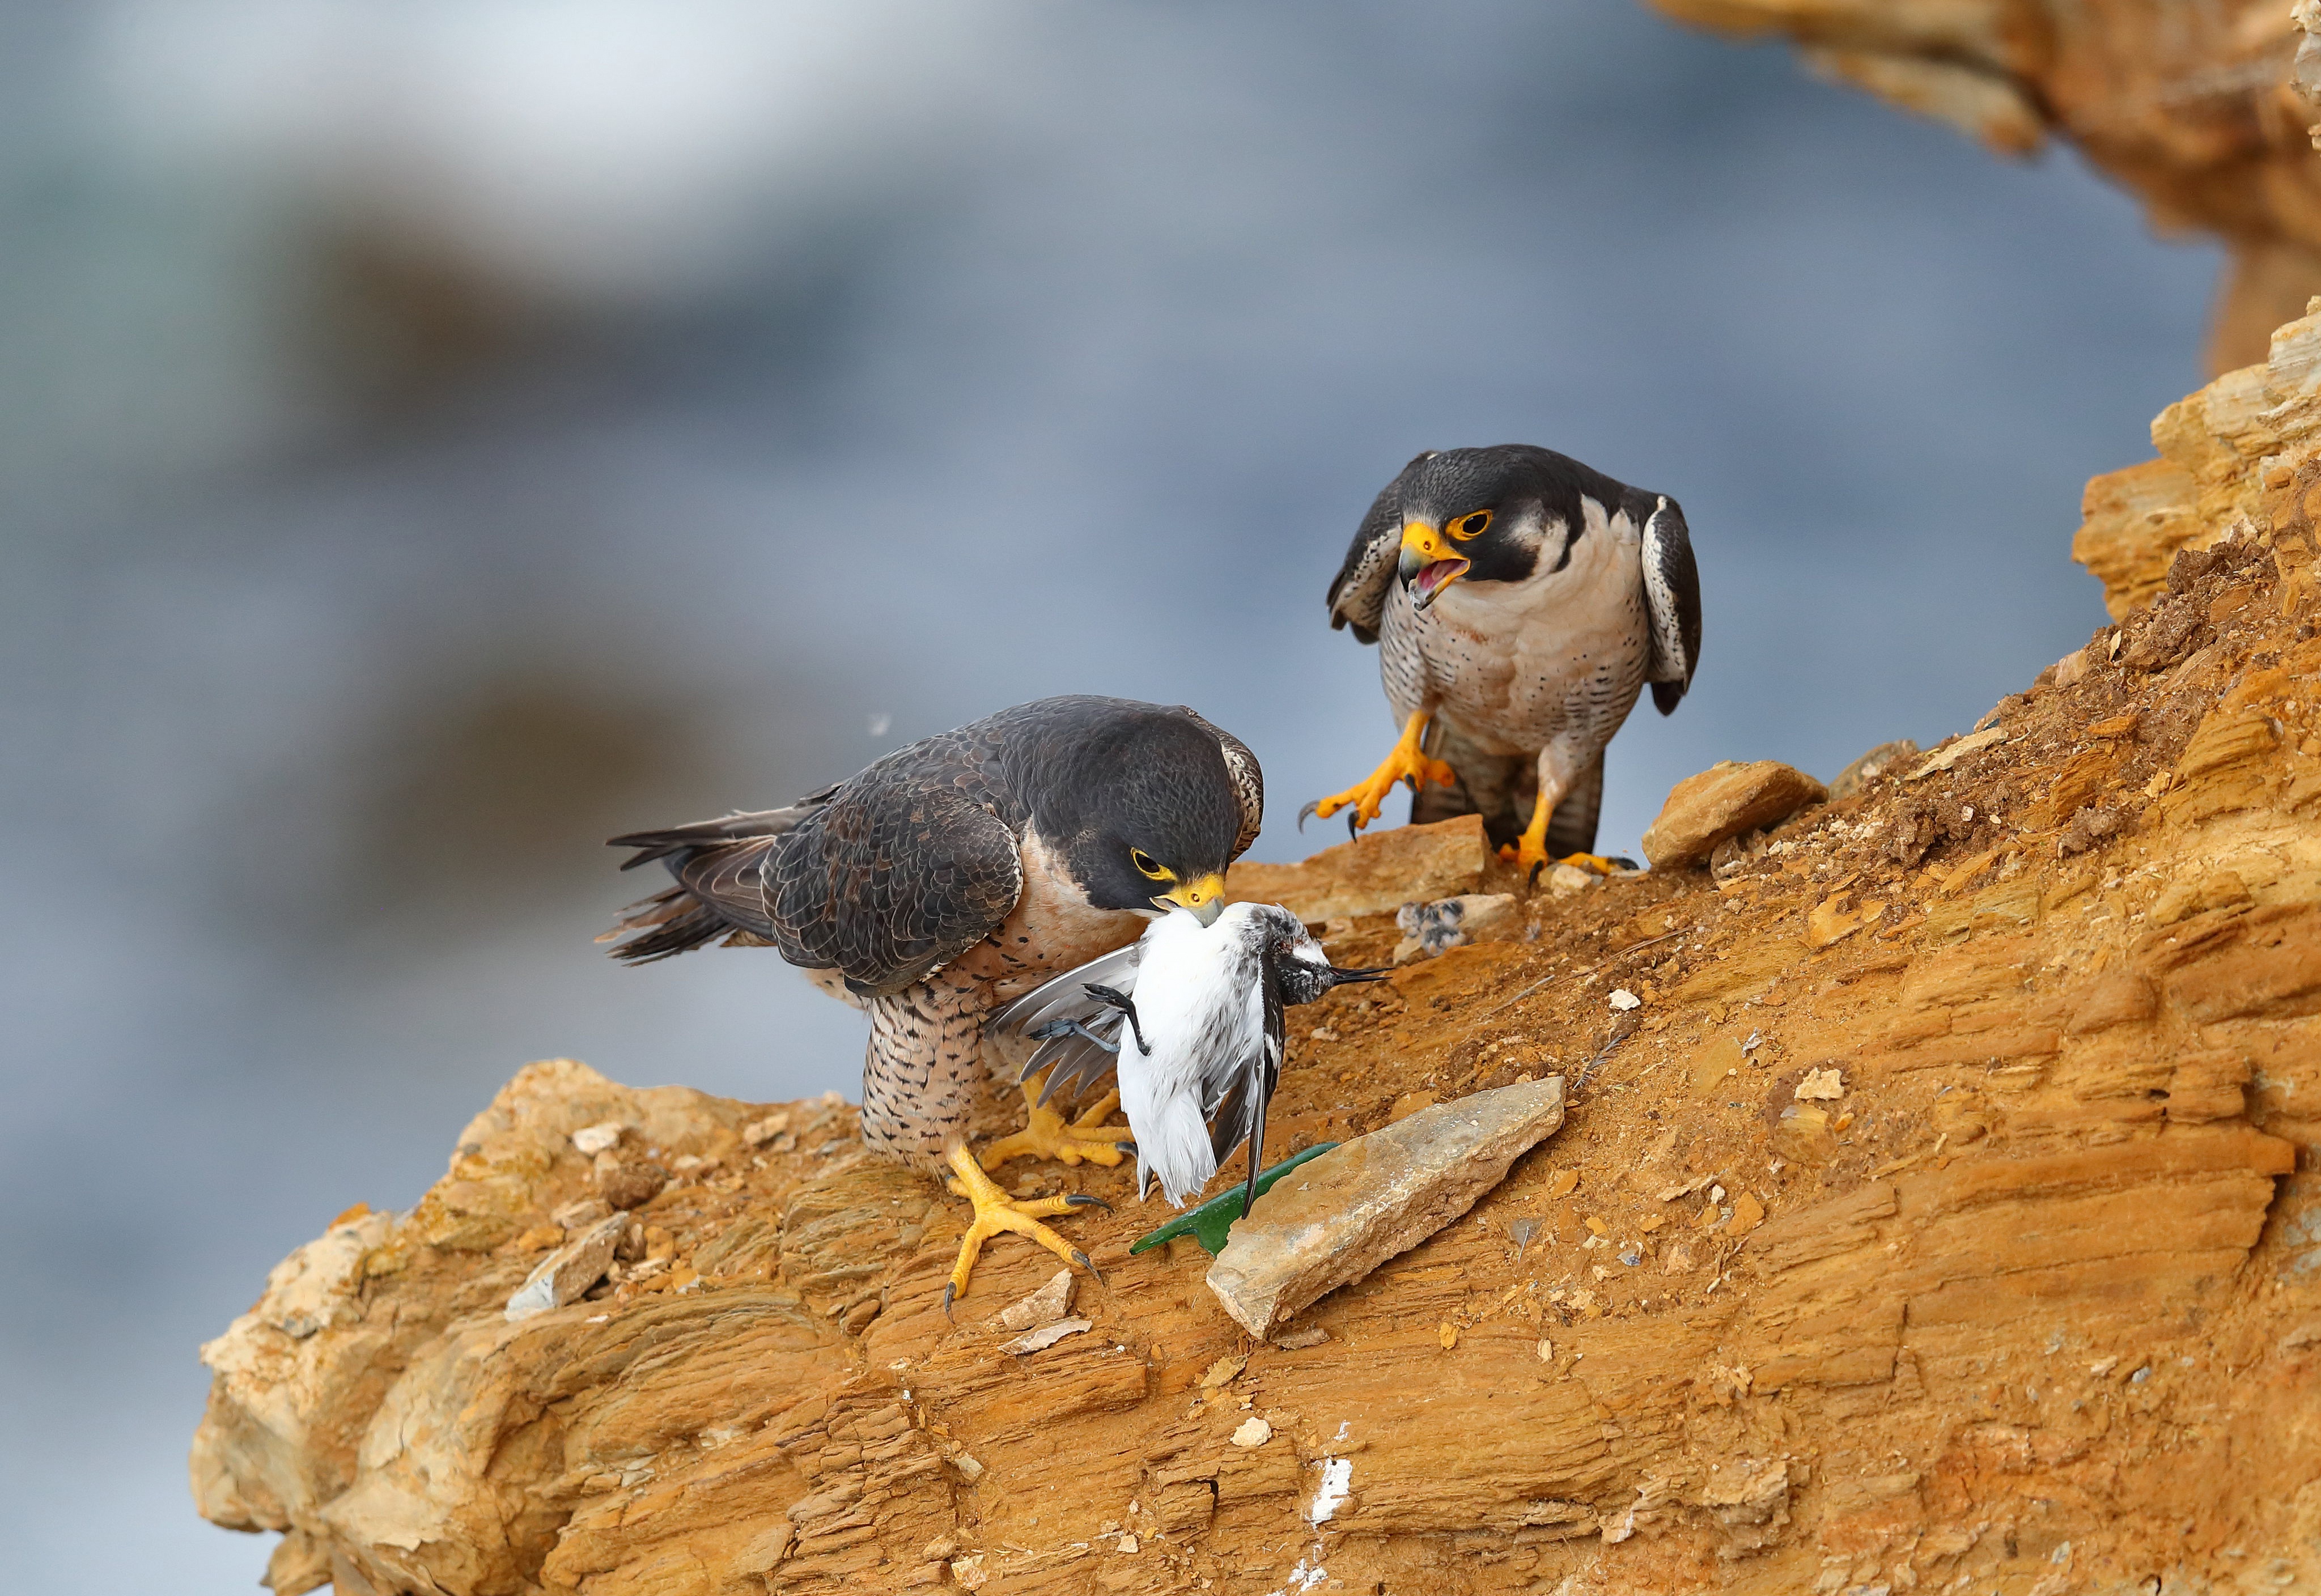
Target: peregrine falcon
(1201, 1006)
(957, 873)
(1522, 601)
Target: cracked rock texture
(2202, 108)
(2033, 1305)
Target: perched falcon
(1521, 601)
(957, 873)
(1190, 1015)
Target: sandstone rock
(1567, 881)
(593, 1139)
(1050, 1302)
(1376, 873)
(2093, 1083)
(566, 1273)
(1887, 759)
(1253, 1432)
(1045, 1336)
(1955, 750)
(1352, 1208)
(628, 1184)
(1722, 802)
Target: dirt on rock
(1939, 1214)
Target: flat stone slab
(1375, 874)
(567, 1272)
(1724, 801)
(1350, 1210)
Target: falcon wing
(1080, 1056)
(1358, 596)
(888, 881)
(1672, 595)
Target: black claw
(1532, 880)
(1352, 830)
(1081, 1201)
(1127, 1149)
(1081, 1259)
(947, 1293)
(1623, 862)
(1307, 812)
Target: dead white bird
(1189, 1017)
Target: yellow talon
(1047, 1135)
(1529, 853)
(996, 1211)
(1408, 762)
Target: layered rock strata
(1933, 1203)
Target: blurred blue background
(436, 436)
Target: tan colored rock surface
(1372, 1198)
(2195, 108)
(564, 1274)
(1375, 873)
(2048, 1273)
(1725, 801)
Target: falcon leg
(1408, 762)
(1530, 850)
(996, 1211)
(1046, 1134)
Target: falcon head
(1149, 815)
(1468, 515)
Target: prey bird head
(1468, 514)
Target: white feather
(1200, 1001)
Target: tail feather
(673, 921)
(739, 826)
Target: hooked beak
(1428, 563)
(1205, 897)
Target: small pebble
(1624, 1000)
(596, 1138)
(1253, 1432)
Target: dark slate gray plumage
(957, 870)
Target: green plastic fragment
(1211, 1222)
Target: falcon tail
(673, 920)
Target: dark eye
(1466, 526)
(1147, 863)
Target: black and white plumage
(954, 874)
(1521, 601)
(1190, 1017)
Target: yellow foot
(1529, 858)
(1047, 1135)
(996, 1211)
(1408, 762)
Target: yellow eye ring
(1150, 866)
(1469, 525)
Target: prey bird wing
(1079, 1055)
(1672, 595)
(1236, 1086)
